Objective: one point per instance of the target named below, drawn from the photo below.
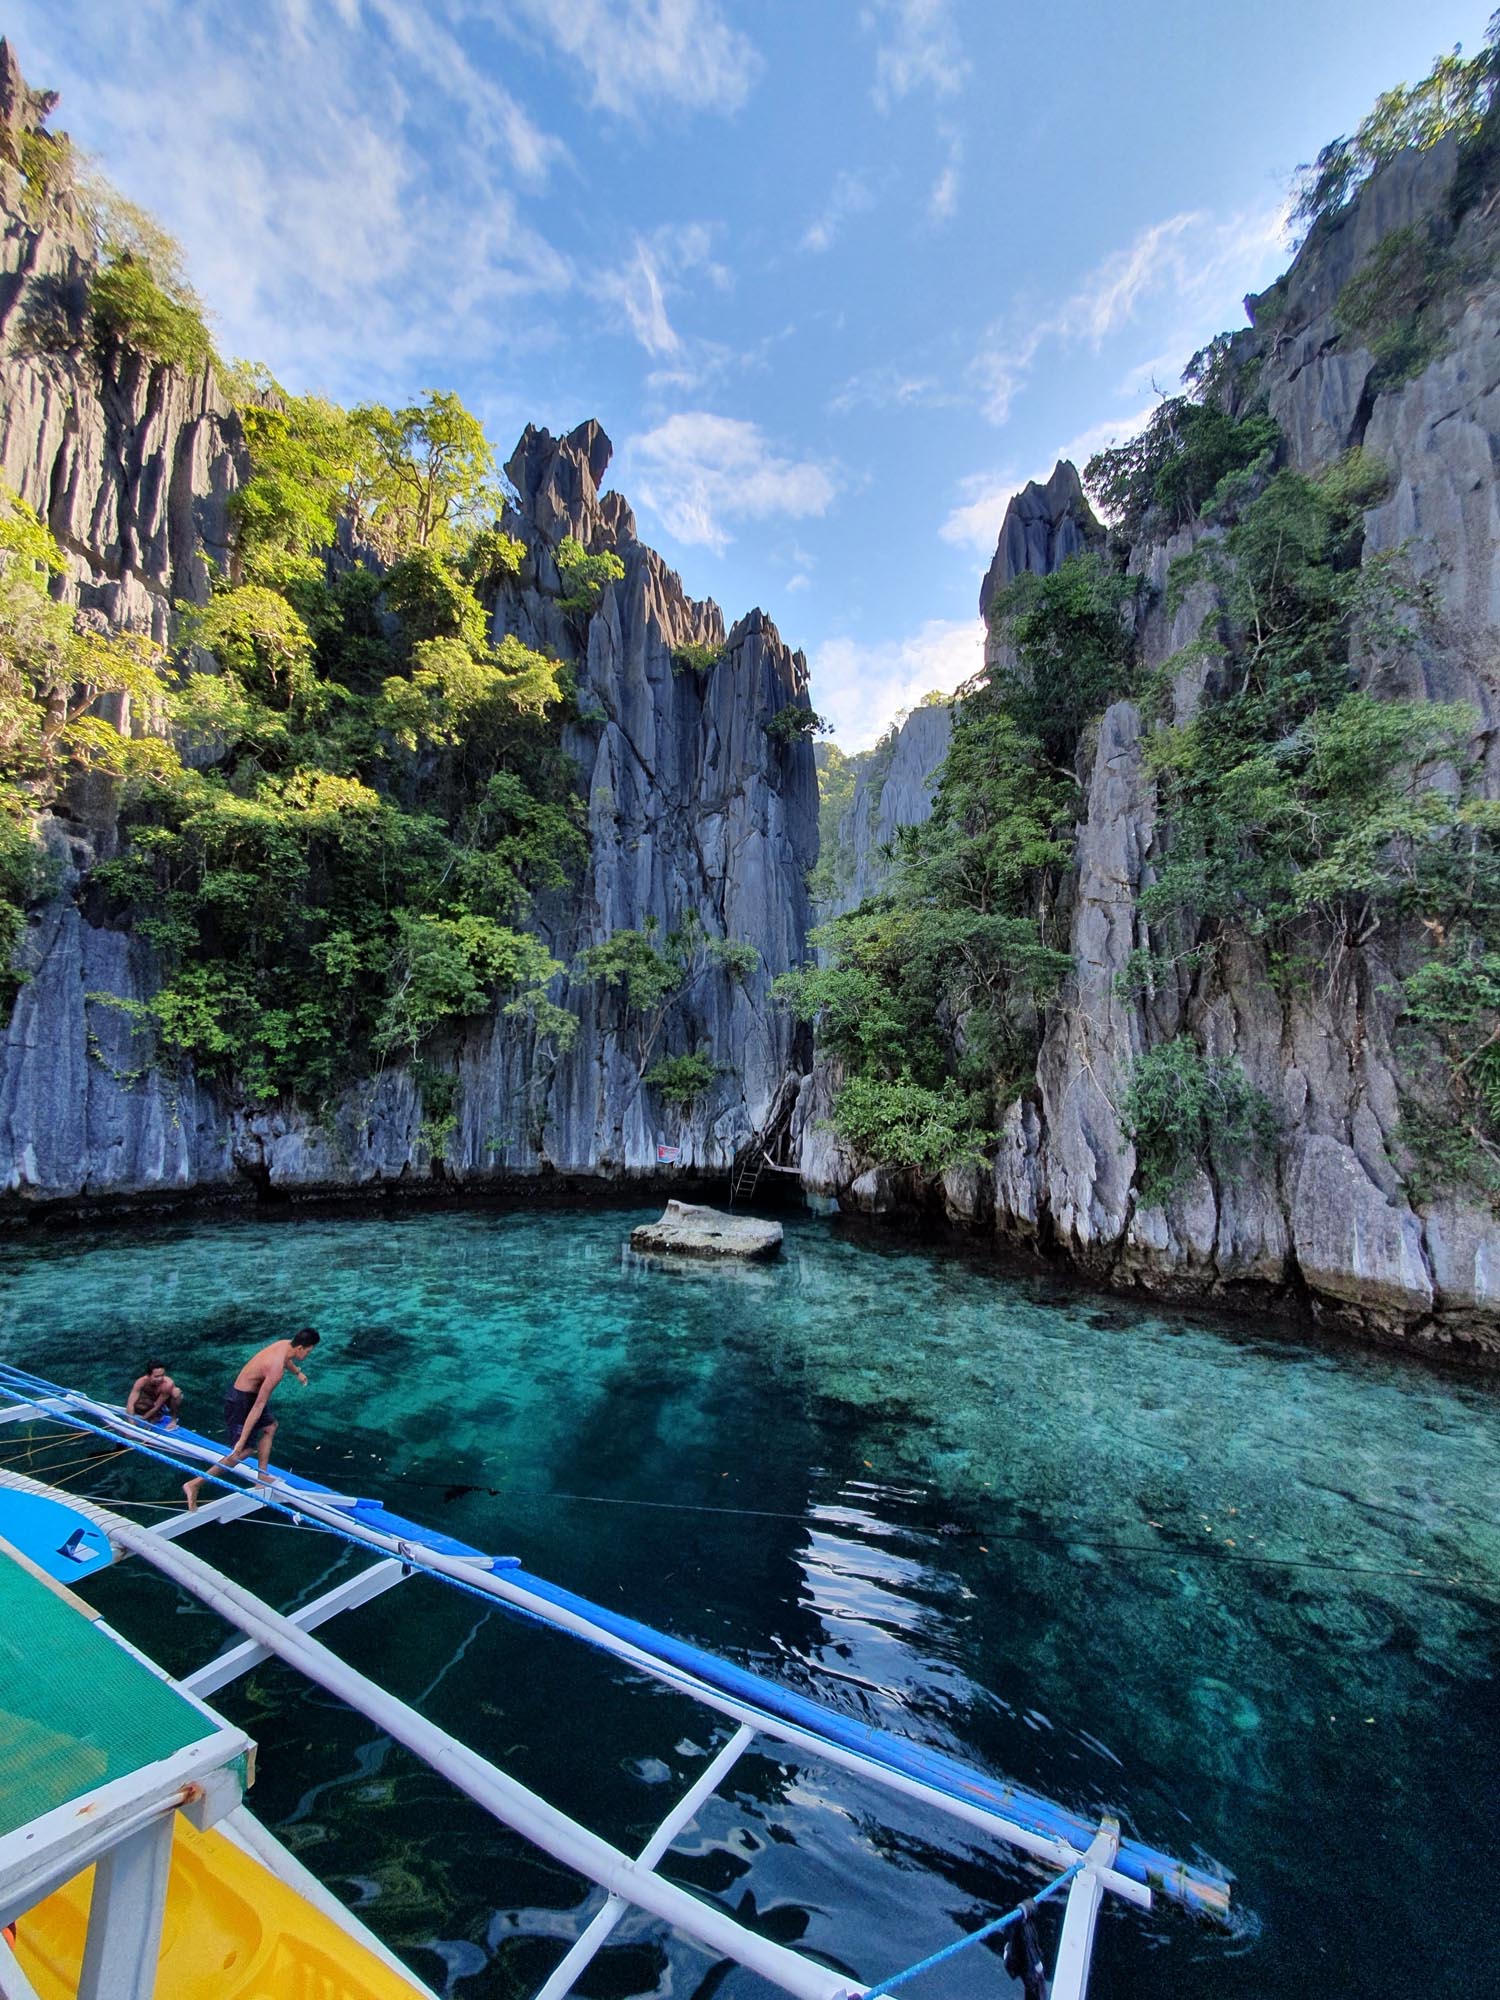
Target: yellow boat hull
(232, 1931)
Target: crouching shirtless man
(247, 1406)
(154, 1397)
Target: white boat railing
(1089, 1868)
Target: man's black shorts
(238, 1403)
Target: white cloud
(636, 54)
(975, 522)
(943, 198)
(917, 48)
(1110, 294)
(437, 55)
(850, 195)
(657, 263)
(1190, 270)
(859, 689)
(636, 288)
(701, 364)
(698, 471)
(800, 563)
(887, 387)
(346, 193)
(999, 370)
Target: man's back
(269, 1363)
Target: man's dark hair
(306, 1338)
(152, 1366)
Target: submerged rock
(688, 1229)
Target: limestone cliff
(131, 463)
(1335, 1217)
(893, 787)
(692, 805)
(694, 808)
(1043, 526)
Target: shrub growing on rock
(1173, 466)
(1184, 1110)
(695, 658)
(584, 577)
(682, 1080)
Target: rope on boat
(1048, 1538)
(985, 1931)
(93, 1459)
(30, 1452)
(54, 1466)
(1020, 1818)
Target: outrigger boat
(130, 1866)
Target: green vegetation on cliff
(335, 848)
(682, 1080)
(1450, 101)
(584, 577)
(1300, 809)
(54, 670)
(372, 792)
(931, 995)
(1185, 1110)
(652, 973)
(1177, 466)
(1297, 809)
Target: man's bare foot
(170, 1424)
(190, 1489)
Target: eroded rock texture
(893, 789)
(1329, 1217)
(693, 807)
(130, 463)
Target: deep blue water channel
(1239, 1587)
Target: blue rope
(408, 1558)
(985, 1930)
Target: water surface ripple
(1237, 1587)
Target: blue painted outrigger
(1089, 1860)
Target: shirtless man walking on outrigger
(247, 1406)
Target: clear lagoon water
(1239, 1587)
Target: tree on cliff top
(1452, 98)
(432, 468)
(139, 293)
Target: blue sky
(835, 275)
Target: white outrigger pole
(1089, 1862)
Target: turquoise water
(1240, 1588)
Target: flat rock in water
(689, 1230)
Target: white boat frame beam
(626, 1881)
(502, 1796)
(347, 1596)
(475, 1573)
(584, 1949)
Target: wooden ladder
(748, 1168)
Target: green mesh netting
(75, 1709)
